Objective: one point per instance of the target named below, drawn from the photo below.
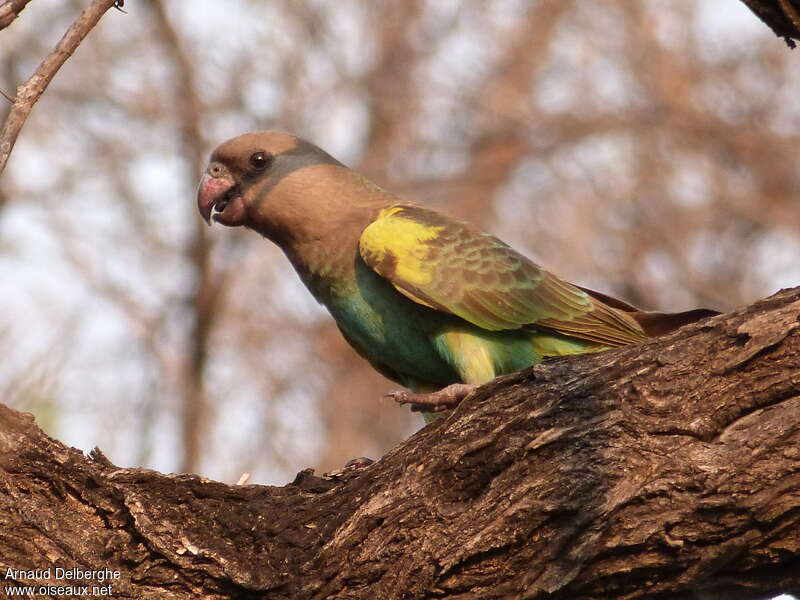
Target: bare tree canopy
(664, 469)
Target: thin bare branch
(29, 92)
(778, 15)
(10, 10)
(791, 13)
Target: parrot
(431, 302)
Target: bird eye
(260, 160)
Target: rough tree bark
(661, 470)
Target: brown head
(279, 185)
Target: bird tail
(658, 323)
(654, 323)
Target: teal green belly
(388, 328)
(422, 346)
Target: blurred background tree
(646, 148)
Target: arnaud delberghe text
(98, 575)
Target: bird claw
(443, 399)
(404, 397)
(399, 396)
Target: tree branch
(10, 10)
(779, 15)
(29, 92)
(658, 470)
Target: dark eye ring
(260, 160)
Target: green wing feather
(447, 265)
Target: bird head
(288, 190)
(244, 171)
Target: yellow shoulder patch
(395, 247)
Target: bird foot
(437, 401)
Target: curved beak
(211, 191)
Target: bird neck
(318, 221)
(326, 269)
